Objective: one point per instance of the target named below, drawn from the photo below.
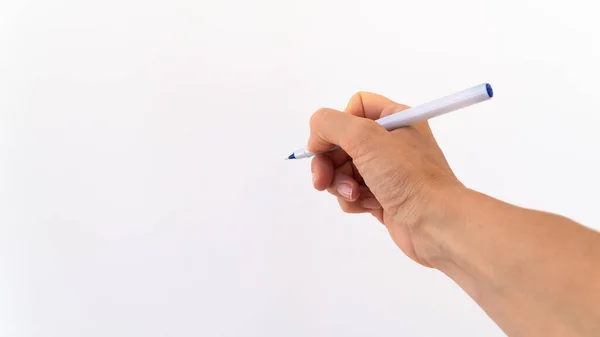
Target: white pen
(440, 106)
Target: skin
(533, 273)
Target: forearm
(534, 273)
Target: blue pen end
(292, 156)
(490, 92)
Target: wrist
(436, 235)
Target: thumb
(355, 135)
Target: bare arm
(534, 273)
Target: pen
(440, 106)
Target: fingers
(338, 182)
(366, 203)
(352, 197)
(324, 165)
(353, 134)
(322, 172)
(338, 157)
(356, 132)
(372, 106)
(344, 185)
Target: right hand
(401, 177)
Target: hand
(534, 273)
(400, 177)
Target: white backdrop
(142, 186)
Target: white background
(142, 186)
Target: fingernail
(371, 203)
(314, 178)
(345, 191)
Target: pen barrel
(461, 99)
(437, 107)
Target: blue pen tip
(490, 92)
(291, 156)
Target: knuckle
(363, 94)
(359, 95)
(318, 117)
(356, 105)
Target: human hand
(400, 177)
(534, 273)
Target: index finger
(374, 106)
(353, 134)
